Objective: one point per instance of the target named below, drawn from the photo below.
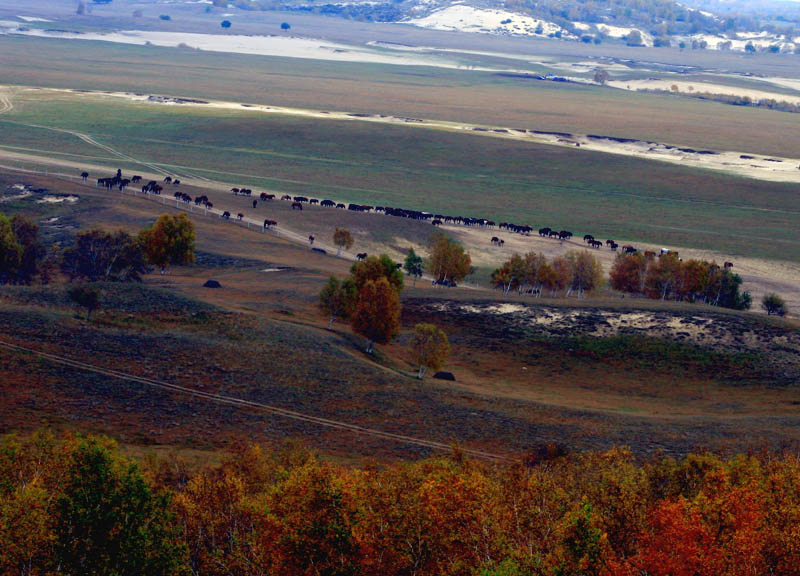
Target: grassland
(458, 95)
(606, 195)
(519, 383)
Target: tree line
(76, 506)
(667, 277)
(96, 255)
(663, 277)
(576, 272)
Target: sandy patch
(11, 198)
(33, 19)
(50, 199)
(690, 87)
(792, 83)
(622, 32)
(283, 46)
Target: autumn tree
(337, 298)
(316, 523)
(728, 287)
(587, 272)
(27, 235)
(85, 297)
(502, 278)
(413, 265)
(342, 239)
(100, 255)
(10, 251)
(773, 304)
(170, 241)
(447, 261)
(562, 277)
(628, 273)
(664, 276)
(430, 346)
(373, 268)
(377, 312)
(110, 521)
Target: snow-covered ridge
(465, 18)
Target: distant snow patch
(463, 18)
(33, 19)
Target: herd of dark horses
(153, 187)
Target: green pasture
(454, 173)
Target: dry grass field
(591, 374)
(436, 93)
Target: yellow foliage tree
(430, 346)
(447, 261)
(170, 241)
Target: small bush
(773, 305)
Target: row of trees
(577, 272)
(667, 277)
(664, 277)
(96, 254)
(75, 506)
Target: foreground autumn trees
(75, 506)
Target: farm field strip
(772, 169)
(241, 403)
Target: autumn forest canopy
(75, 505)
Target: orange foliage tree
(377, 312)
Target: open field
(439, 171)
(453, 95)
(658, 376)
(655, 376)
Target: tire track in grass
(343, 426)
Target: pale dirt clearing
(772, 169)
(687, 86)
